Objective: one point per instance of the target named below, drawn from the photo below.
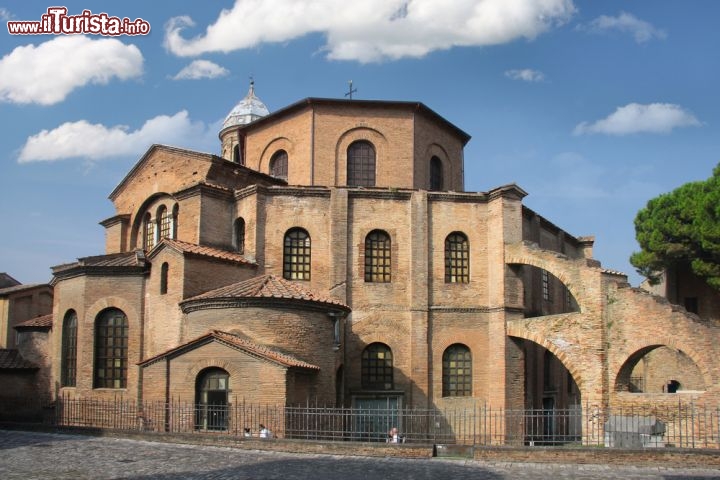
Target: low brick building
(331, 255)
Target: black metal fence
(682, 425)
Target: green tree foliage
(681, 227)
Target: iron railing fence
(681, 425)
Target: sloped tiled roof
(20, 288)
(267, 286)
(7, 281)
(10, 359)
(126, 259)
(210, 252)
(44, 321)
(251, 348)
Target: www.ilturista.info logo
(57, 22)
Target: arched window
(164, 278)
(69, 350)
(149, 232)
(436, 174)
(111, 349)
(236, 154)
(457, 371)
(239, 235)
(165, 222)
(457, 258)
(296, 255)
(175, 214)
(211, 397)
(279, 165)
(377, 367)
(378, 266)
(361, 164)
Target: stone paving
(30, 456)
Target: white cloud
(526, 75)
(47, 73)
(5, 14)
(371, 30)
(637, 118)
(93, 142)
(199, 69)
(641, 30)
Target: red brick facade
(538, 322)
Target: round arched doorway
(211, 399)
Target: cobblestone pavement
(29, 456)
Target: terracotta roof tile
(185, 247)
(42, 321)
(247, 346)
(267, 286)
(10, 359)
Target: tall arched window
(236, 154)
(361, 164)
(436, 174)
(164, 272)
(239, 235)
(296, 255)
(164, 219)
(148, 232)
(378, 266)
(377, 367)
(175, 214)
(211, 397)
(457, 258)
(279, 165)
(111, 349)
(457, 371)
(69, 350)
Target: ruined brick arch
(622, 376)
(151, 205)
(274, 145)
(374, 136)
(555, 266)
(567, 363)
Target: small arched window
(436, 174)
(69, 350)
(361, 164)
(457, 371)
(236, 154)
(378, 257)
(239, 235)
(111, 349)
(175, 215)
(296, 255)
(164, 272)
(279, 165)
(377, 367)
(457, 258)
(148, 232)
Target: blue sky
(592, 107)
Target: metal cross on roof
(351, 91)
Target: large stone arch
(150, 204)
(555, 263)
(567, 362)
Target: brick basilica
(331, 255)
